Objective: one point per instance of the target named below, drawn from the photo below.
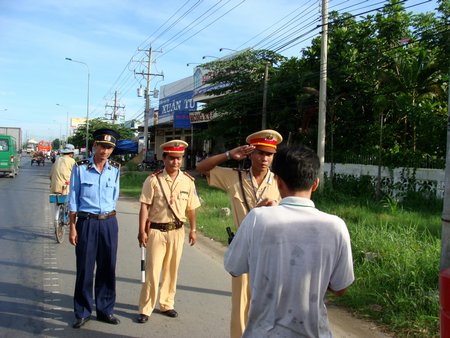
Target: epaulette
(193, 179)
(81, 162)
(114, 164)
(155, 173)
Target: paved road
(37, 279)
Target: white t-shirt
(293, 253)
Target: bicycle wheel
(60, 228)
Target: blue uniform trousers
(97, 244)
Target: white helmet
(68, 148)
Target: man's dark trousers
(97, 244)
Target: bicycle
(61, 215)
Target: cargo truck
(14, 132)
(9, 156)
(45, 147)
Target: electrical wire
(280, 39)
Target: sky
(108, 41)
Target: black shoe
(79, 322)
(170, 313)
(110, 319)
(142, 318)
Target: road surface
(38, 274)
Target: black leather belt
(166, 226)
(87, 215)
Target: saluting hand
(241, 152)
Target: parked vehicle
(9, 156)
(150, 166)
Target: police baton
(142, 264)
(230, 235)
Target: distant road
(38, 275)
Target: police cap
(265, 140)
(105, 136)
(174, 147)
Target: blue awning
(126, 147)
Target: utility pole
(147, 102)
(444, 280)
(114, 114)
(323, 91)
(445, 240)
(264, 107)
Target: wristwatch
(228, 155)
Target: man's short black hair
(297, 165)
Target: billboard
(76, 121)
(176, 102)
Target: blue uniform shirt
(92, 191)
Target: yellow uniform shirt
(227, 179)
(181, 192)
(60, 174)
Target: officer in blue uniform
(94, 190)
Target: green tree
(79, 137)
(56, 143)
(387, 79)
(237, 93)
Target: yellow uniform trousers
(240, 301)
(163, 257)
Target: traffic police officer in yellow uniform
(246, 189)
(94, 190)
(61, 171)
(166, 197)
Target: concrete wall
(434, 179)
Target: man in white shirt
(293, 252)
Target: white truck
(14, 132)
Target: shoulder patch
(156, 173)
(184, 172)
(78, 163)
(114, 164)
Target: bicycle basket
(56, 198)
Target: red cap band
(171, 149)
(264, 142)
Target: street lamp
(87, 108)
(209, 56)
(192, 63)
(67, 121)
(233, 50)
